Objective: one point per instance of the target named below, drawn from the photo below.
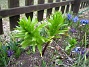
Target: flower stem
(85, 46)
(43, 51)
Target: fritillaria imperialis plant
(29, 31)
(33, 33)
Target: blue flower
(75, 19)
(84, 21)
(83, 51)
(69, 16)
(72, 30)
(76, 50)
(10, 53)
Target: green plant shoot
(29, 31)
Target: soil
(35, 60)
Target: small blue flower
(75, 19)
(72, 30)
(76, 50)
(83, 51)
(10, 53)
(69, 16)
(84, 21)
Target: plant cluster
(36, 34)
(8, 52)
(78, 31)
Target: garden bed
(54, 56)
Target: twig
(65, 53)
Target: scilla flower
(69, 16)
(86, 50)
(72, 30)
(81, 51)
(84, 21)
(76, 50)
(10, 53)
(75, 19)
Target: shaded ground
(51, 58)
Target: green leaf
(0, 45)
(59, 62)
(25, 43)
(56, 22)
(44, 64)
(40, 48)
(68, 47)
(18, 52)
(34, 47)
